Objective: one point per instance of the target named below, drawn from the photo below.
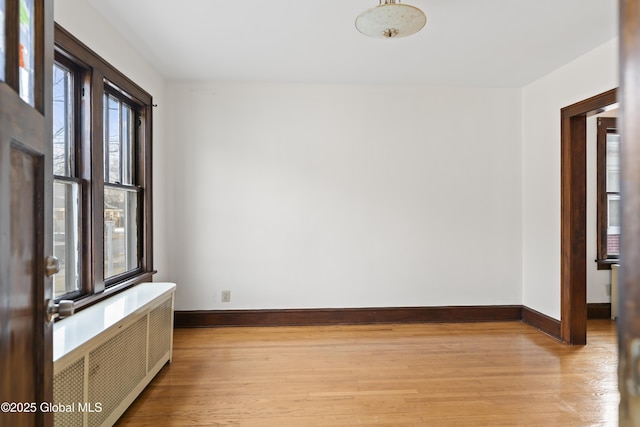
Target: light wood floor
(491, 374)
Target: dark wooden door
(629, 285)
(26, 363)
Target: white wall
(82, 20)
(589, 75)
(338, 196)
(344, 196)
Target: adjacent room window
(608, 197)
(102, 175)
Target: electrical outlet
(226, 296)
(608, 289)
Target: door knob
(52, 265)
(64, 308)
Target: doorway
(573, 218)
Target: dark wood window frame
(606, 125)
(94, 77)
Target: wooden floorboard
(485, 374)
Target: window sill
(73, 332)
(605, 264)
(113, 290)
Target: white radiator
(615, 268)
(105, 355)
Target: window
(102, 175)
(608, 192)
(27, 51)
(120, 192)
(66, 185)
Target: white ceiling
(488, 43)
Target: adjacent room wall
(313, 196)
(82, 20)
(587, 76)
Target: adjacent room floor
(491, 374)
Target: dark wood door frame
(573, 223)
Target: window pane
(613, 214)
(66, 223)
(613, 245)
(62, 122)
(120, 231)
(113, 141)
(119, 141)
(27, 48)
(613, 228)
(613, 163)
(3, 47)
(127, 145)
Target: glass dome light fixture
(391, 19)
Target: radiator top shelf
(71, 332)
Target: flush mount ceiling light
(390, 19)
